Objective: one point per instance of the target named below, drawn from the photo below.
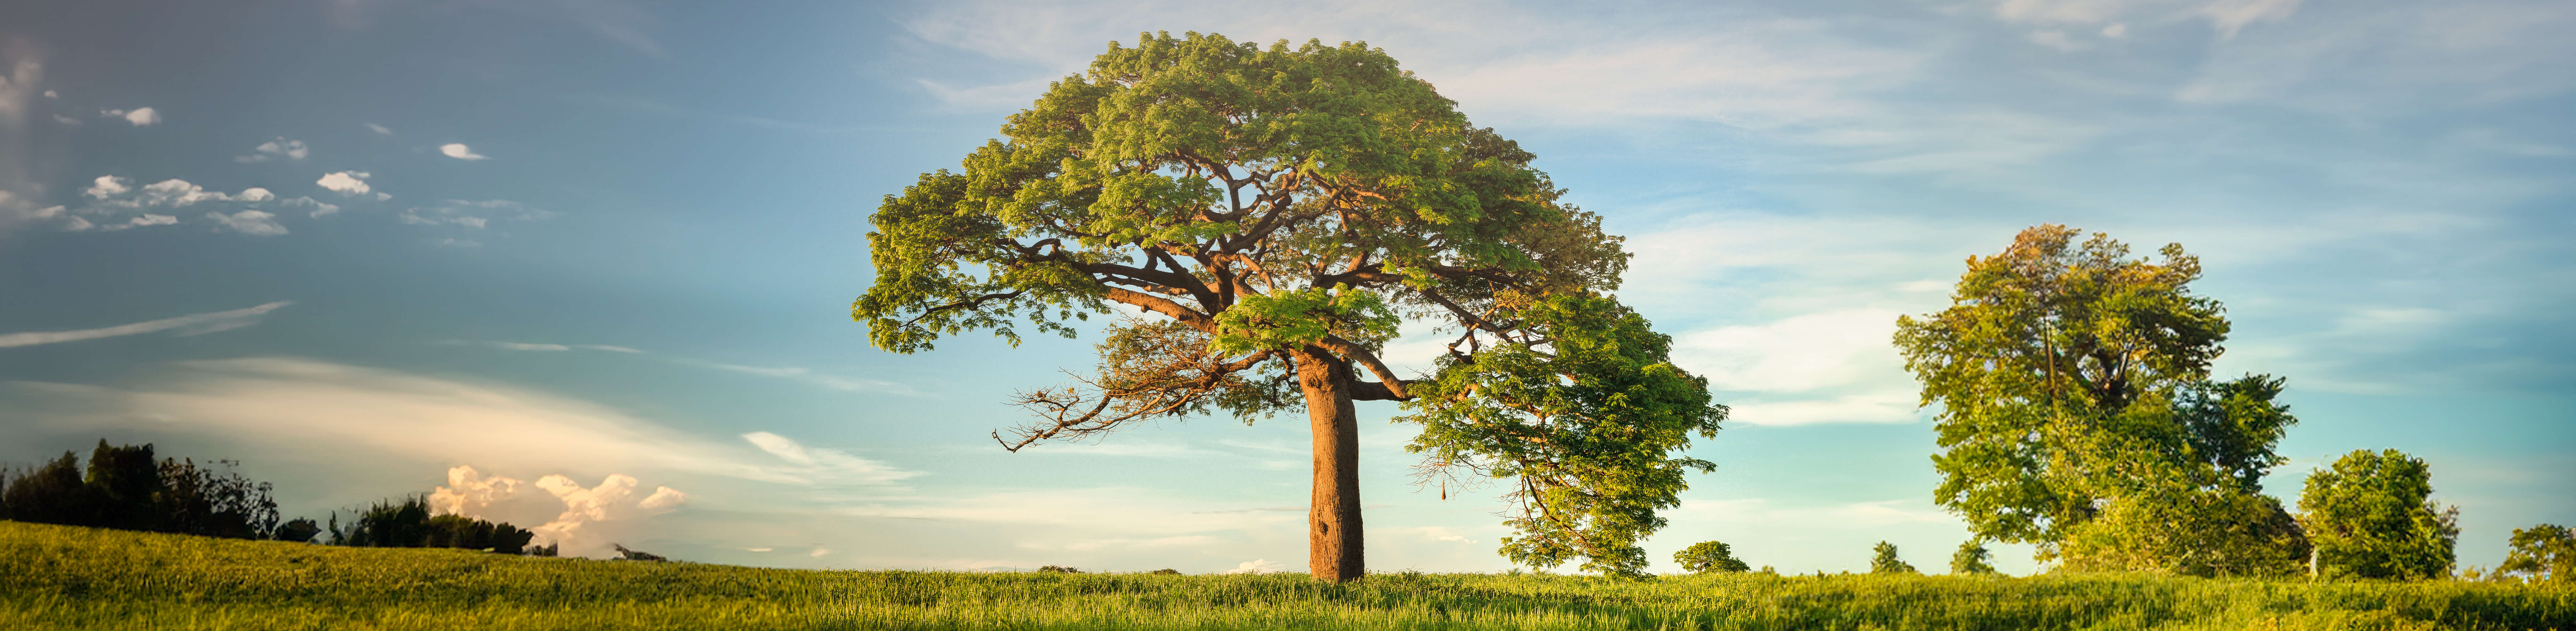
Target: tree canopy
(2077, 413)
(1269, 217)
(1709, 556)
(2371, 516)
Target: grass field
(54, 577)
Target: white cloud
(320, 208)
(192, 324)
(58, 118)
(106, 186)
(1799, 354)
(144, 220)
(1258, 566)
(176, 192)
(255, 194)
(459, 151)
(2230, 16)
(379, 129)
(577, 530)
(1893, 405)
(250, 222)
(140, 117)
(16, 211)
(2055, 39)
(281, 147)
(51, 95)
(580, 523)
(472, 494)
(345, 182)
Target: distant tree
(2073, 384)
(1972, 558)
(392, 523)
(1883, 560)
(1059, 569)
(2370, 516)
(125, 483)
(298, 530)
(1166, 572)
(214, 500)
(459, 531)
(1276, 213)
(2545, 553)
(52, 493)
(1707, 557)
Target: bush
(1059, 569)
(1167, 572)
(1709, 556)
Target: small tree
(1709, 556)
(2371, 516)
(1883, 560)
(1972, 558)
(2542, 554)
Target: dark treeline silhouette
(125, 488)
(406, 523)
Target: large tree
(1269, 217)
(2073, 383)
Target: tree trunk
(1333, 551)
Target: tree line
(126, 488)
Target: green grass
(54, 577)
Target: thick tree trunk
(1333, 551)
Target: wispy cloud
(330, 411)
(793, 373)
(192, 324)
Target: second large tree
(1272, 215)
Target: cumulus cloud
(459, 151)
(582, 518)
(140, 117)
(250, 222)
(578, 529)
(1258, 566)
(274, 149)
(112, 192)
(192, 324)
(345, 182)
(106, 186)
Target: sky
(585, 265)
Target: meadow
(60, 577)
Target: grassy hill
(54, 577)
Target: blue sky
(358, 244)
